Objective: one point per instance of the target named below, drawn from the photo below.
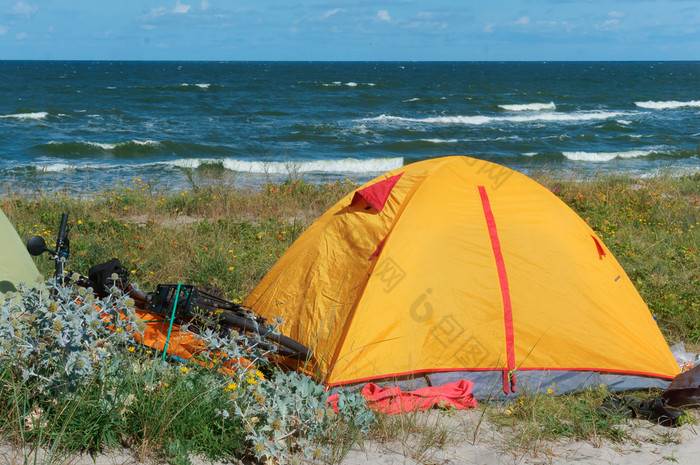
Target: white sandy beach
(650, 444)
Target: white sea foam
(55, 167)
(347, 165)
(440, 141)
(530, 107)
(479, 120)
(102, 145)
(149, 142)
(112, 145)
(351, 84)
(414, 99)
(201, 86)
(607, 156)
(530, 154)
(669, 105)
(35, 115)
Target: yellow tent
(460, 268)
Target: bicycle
(183, 303)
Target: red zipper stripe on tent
(505, 291)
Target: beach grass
(214, 234)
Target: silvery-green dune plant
(75, 379)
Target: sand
(449, 438)
(651, 444)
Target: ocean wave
(55, 167)
(347, 84)
(608, 156)
(668, 105)
(480, 120)
(200, 85)
(34, 115)
(530, 107)
(440, 141)
(347, 165)
(108, 146)
(81, 149)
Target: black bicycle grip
(62, 233)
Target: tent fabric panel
(593, 316)
(16, 264)
(423, 314)
(315, 284)
(488, 384)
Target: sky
(340, 30)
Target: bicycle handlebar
(62, 247)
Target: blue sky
(350, 30)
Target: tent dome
(460, 268)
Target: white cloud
(3, 30)
(180, 8)
(21, 35)
(426, 25)
(330, 13)
(205, 5)
(154, 13)
(25, 9)
(489, 27)
(523, 20)
(293, 30)
(616, 14)
(610, 22)
(383, 15)
(425, 15)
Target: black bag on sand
(684, 390)
(101, 276)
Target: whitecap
(479, 120)
(347, 165)
(102, 145)
(149, 142)
(440, 141)
(35, 115)
(414, 99)
(667, 105)
(351, 84)
(606, 156)
(530, 107)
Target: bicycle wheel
(287, 346)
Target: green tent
(16, 265)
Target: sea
(86, 124)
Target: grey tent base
(488, 385)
